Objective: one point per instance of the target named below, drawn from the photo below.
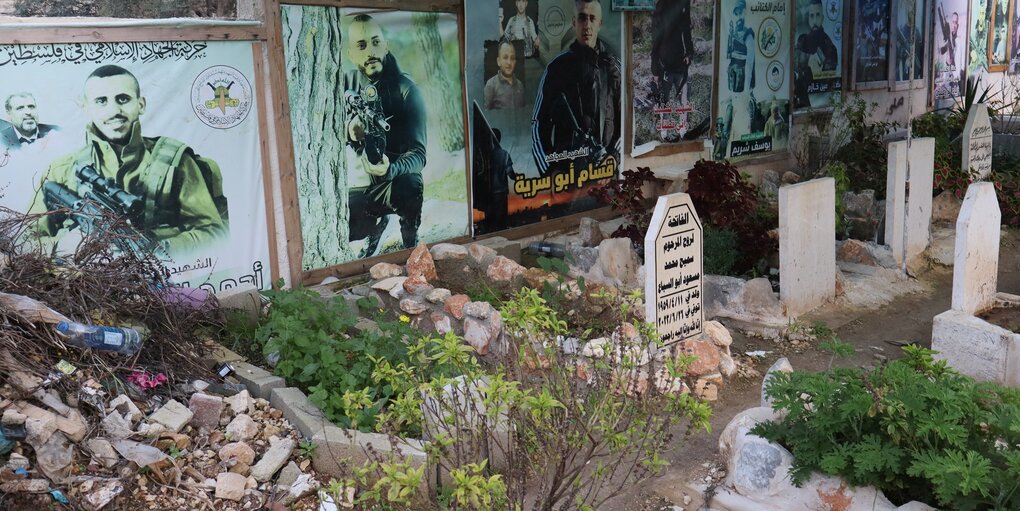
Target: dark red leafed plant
(625, 195)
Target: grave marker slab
(977, 141)
(896, 200)
(921, 155)
(807, 248)
(976, 262)
(674, 266)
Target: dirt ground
(875, 334)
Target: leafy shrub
(914, 428)
(864, 151)
(626, 195)
(838, 172)
(725, 199)
(720, 251)
(568, 435)
(323, 353)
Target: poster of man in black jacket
(672, 49)
(577, 111)
(387, 130)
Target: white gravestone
(908, 197)
(807, 249)
(976, 264)
(674, 286)
(977, 141)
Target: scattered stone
(854, 251)
(274, 458)
(240, 402)
(478, 334)
(125, 406)
(304, 486)
(102, 451)
(380, 271)
(416, 285)
(239, 451)
(206, 410)
(386, 285)
(595, 348)
(241, 468)
(480, 310)
(481, 255)
(116, 425)
(706, 356)
(102, 493)
(726, 365)
(12, 417)
(242, 428)
(504, 270)
(706, 389)
(790, 177)
(441, 322)
(420, 264)
(438, 295)
(413, 306)
(945, 208)
(445, 251)
(454, 305)
(537, 277)
(582, 259)
(25, 486)
(781, 365)
(589, 232)
(718, 334)
(288, 475)
(667, 385)
(18, 462)
(174, 416)
(230, 486)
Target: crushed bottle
(123, 340)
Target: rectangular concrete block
(896, 201)
(976, 258)
(920, 178)
(299, 410)
(504, 247)
(260, 382)
(977, 348)
(807, 252)
(339, 449)
(220, 354)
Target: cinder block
(299, 410)
(337, 448)
(504, 247)
(260, 382)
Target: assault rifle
(596, 151)
(367, 108)
(103, 206)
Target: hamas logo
(221, 97)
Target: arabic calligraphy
(564, 181)
(677, 286)
(94, 53)
(255, 278)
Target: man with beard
(740, 48)
(815, 52)
(182, 193)
(948, 48)
(577, 108)
(393, 185)
(24, 127)
(504, 90)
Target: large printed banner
(754, 89)
(910, 54)
(377, 120)
(872, 41)
(949, 55)
(817, 52)
(544, 81)
(671, 67)
(165, 132)
(980, 15)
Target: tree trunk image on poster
(753, 109)
(163, 134)
(671, 68)
(949, 51)
(545, 83)
(817, 53)
(378, 128)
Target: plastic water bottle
(126, 341)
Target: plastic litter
(122, 340)
(143, 455)
(59, 497)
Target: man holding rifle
(179, 194)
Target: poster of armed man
(980, 17)
(164, 134)
(544, 81)
(949, 51)
(817, 53)
(671, 69)
(377, 119)
(753, 112)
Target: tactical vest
(157, 174)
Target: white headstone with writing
(977, 141)
(674, 265)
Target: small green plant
(307, 448)
(914, 428)
(721, 251)
(323, 353)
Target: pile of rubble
(224, 450)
